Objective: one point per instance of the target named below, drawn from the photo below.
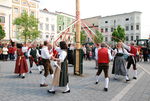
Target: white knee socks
(106, 82)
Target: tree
(27, 27)
(2, 32)
(118, 34)
(98, 37)
(82, 37)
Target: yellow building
(19, 6)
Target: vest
(103, 56)
(33, 53)
(133, 50)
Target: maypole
(77, 69)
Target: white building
(17, 7)
(48, 25)
(131, 22)
(5, 16)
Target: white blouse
(121, 50)
(62, 55)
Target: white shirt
(62, 55)
(5, 51)
(45, 53)
(24, 49)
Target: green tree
(27, 26)
(82, 37)
(98, 37)
(118, 34)
(2, 32)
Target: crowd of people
(46, 56)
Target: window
(53, 27)
(106, 29)
(41, 26)
(47, 36)
(131, 27)
(106, 21)
(127, 28)
(32, 13)
(112, 29)
(47, 19)
(137, 27)
(2, 18)
(106, 39)
(127, 38)
(47, 27)
(112, 39)
(23, 10)
(127, 19)
(59, 27)
(137, 37)
(24, 3)
(131, 38)
(16, 10)
(102, 30)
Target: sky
(90, 8)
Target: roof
(48, 12)
(5, 6)
(36, 0)
(122, 14)
(64, 13)
(92, 17)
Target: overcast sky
(90, 8)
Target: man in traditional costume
(34, 55)
(46, 56)
(104, 57)
(132, 59)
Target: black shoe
(52, 92)
(96, 83)
(127, 80)
(19, 75)
(30, 72)
(106, 89)
(23, 77)
(68, 91)
(134, 78)
(43, 85)
(40, 72)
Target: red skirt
(21, 65)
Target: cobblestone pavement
(13, 88)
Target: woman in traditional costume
(61, 73)
(119, 64)
(21, 64)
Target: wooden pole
(78, 29)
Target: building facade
(48, 25)
(17, 8)
(63, 21)
(131, 22)
(5, 17)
